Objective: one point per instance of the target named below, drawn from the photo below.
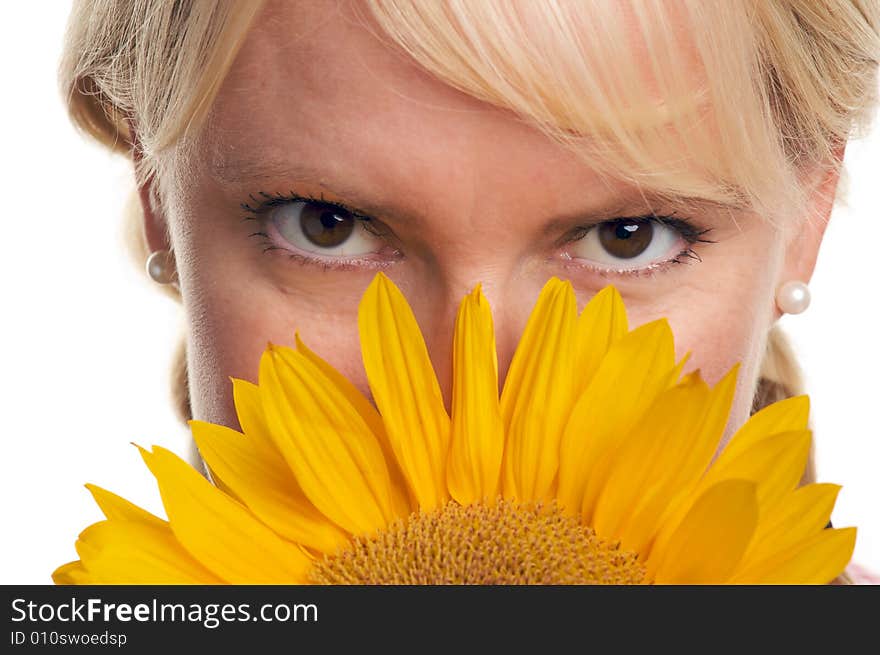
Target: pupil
(627, 238)
(623, 233)
(326, 227)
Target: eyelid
(688, 229)
(273, 200)
(372, 225)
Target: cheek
(720, 325)
(229, 328)
(236, 299)
(722, 312)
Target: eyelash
(687, 229)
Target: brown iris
(626, 238)
(326, 226)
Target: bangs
(726, 102)
(668, 96)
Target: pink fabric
(861, 575)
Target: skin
(480, 190)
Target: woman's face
(457, 192)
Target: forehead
(316, 72)
(318, 80)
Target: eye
(323, 229)
(628, 244)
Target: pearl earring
(161, 268)
(793, 297)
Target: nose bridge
(510, 301)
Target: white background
(85, 341)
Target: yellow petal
(477, 447)
(717, 415)
(538, 394)
(799, 515)
(602, 322)
(250, 412)
(371, 417)
(645, 461)
(783, 416)
(636, 368)
(129, 552)
(817, 560)
(710, 541)
(258, 474)
(249, 408)
(220, 533)
(334, 456)
(679, 466)
(675, 376)
(776, 463)
(71, 573)
(118, 508)
(153, 555)
(405, 389)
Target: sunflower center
(499, 543)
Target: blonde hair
(779, 86)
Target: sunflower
(595, 465)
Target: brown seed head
(503, 543)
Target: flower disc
(499, 543)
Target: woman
(688, 152)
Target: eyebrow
(283, 177)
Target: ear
(155, 225)
(802, 245)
